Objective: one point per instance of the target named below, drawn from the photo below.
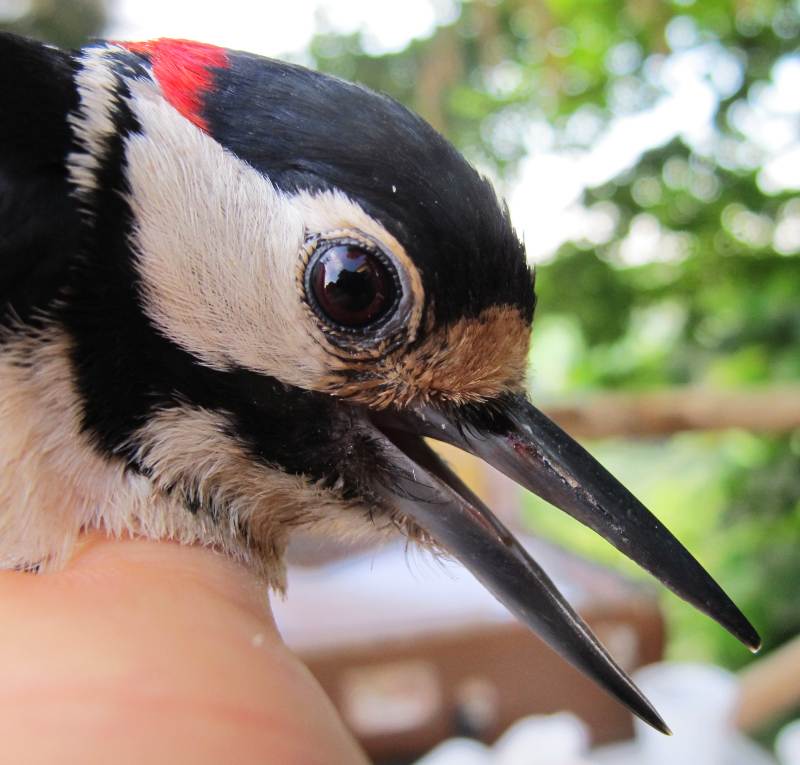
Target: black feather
(306, 130)
(39, 221)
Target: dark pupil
(351, 285)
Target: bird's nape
(516, 438)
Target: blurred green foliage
(694, 277)
(67, 23)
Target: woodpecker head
(240, 294)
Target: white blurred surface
(458, 751)
(697, 700)
(739, 751)
(560, 739)
(787, 745)
(393, 593)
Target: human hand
(151, 652)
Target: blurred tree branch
(770, 687)
(773, 409)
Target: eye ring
(352, 286)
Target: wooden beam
(636, 415)
(770, 687)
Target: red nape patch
(183, 70)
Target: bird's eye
(352, 286)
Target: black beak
(516, 438)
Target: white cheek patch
(217, 248)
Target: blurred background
(650, 154)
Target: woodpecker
(237, 297)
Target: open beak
(517, 439)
